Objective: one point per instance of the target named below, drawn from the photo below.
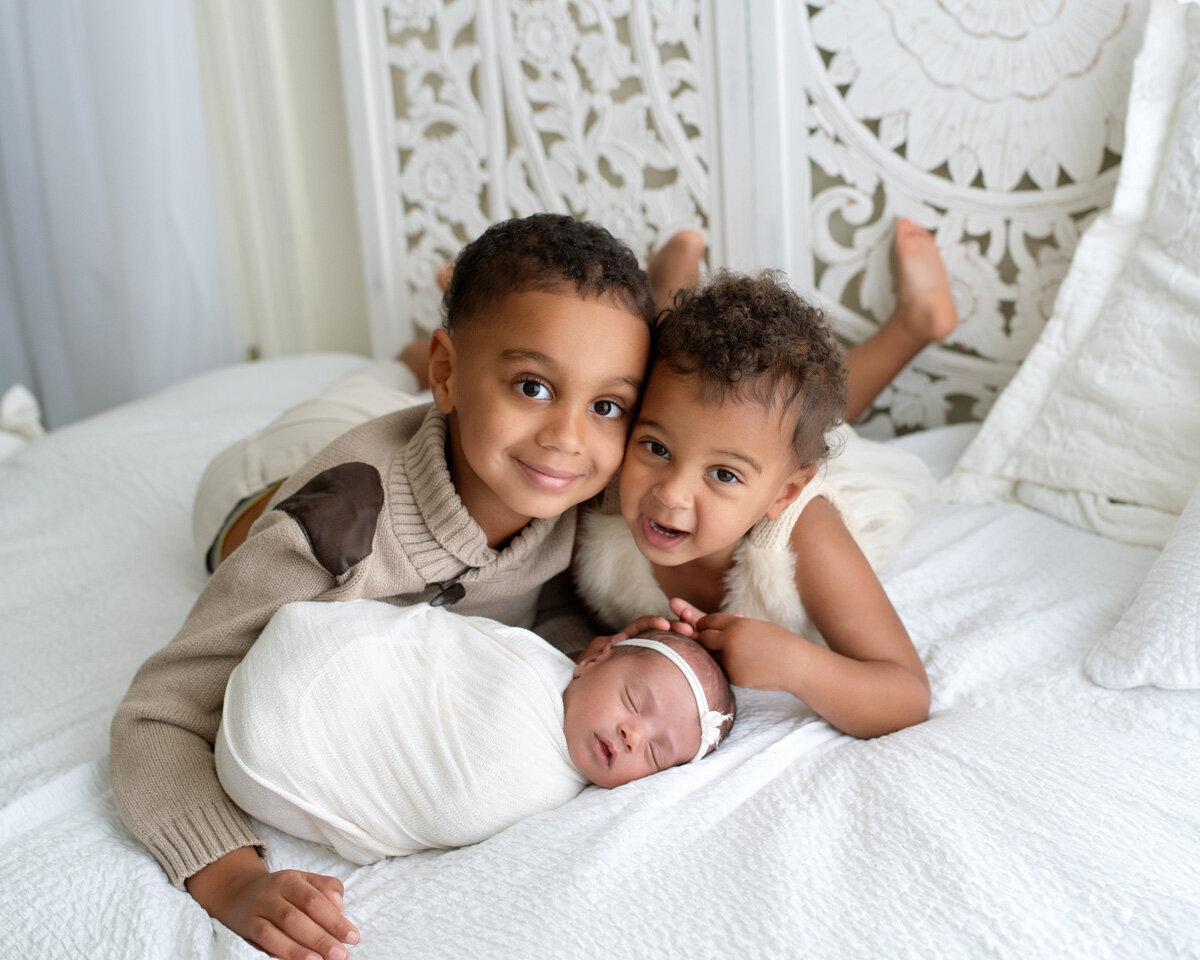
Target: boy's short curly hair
(545, 252)
(752, 337)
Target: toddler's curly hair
(752, 338)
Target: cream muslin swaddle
(381, 730)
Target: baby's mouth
(603, 749)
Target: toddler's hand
(650, 622)
(596, 646)
(289, 914)
(754, 653)
(689, 615)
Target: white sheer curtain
(111, 276)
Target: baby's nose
(632, 735)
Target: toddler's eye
(533, 389)
(721, 475)
(656, 449)
(608, 409)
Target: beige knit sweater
(162, 769)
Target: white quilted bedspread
(1033, 815)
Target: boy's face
(699, 474)
(628, 716)
(539, 392)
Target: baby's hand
(289, 914)
(754, 653)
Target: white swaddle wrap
(381, 730)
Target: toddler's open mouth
(660, 535)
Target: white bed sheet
(1033, 815)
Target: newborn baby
(381, 730)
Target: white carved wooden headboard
(793, 133)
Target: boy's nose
(563, 430)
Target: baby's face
(698, 474)
(629, 715)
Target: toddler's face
(628, 716)
(541, 391)
(699, 474)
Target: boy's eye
(721, 475)
(608, 409)
(533, 389)
(656, 449)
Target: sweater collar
(423, 478)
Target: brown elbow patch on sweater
(338, 510)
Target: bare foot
(444, 273)
(924, 305)
(675, 265)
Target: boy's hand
(754, 653)
(288, 914)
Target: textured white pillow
(1101, 425)
(1157, 640)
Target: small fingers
(715, 621)
(267, 936)
(683, 628)
(306, 939)
(642, 624)
(332, 888)
(713, 640)
(687, 612)
(308, 916)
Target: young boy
(721, 507)
(437, 730)
(534, 379)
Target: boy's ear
(790, 489)
(442, 359)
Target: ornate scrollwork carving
(597, 108)
(998, 126)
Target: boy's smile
(539, 391)
(698, 474)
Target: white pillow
(1101, 425)
(1157, 640)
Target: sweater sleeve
(163, 775)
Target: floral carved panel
(999, 126)
(501, 108)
